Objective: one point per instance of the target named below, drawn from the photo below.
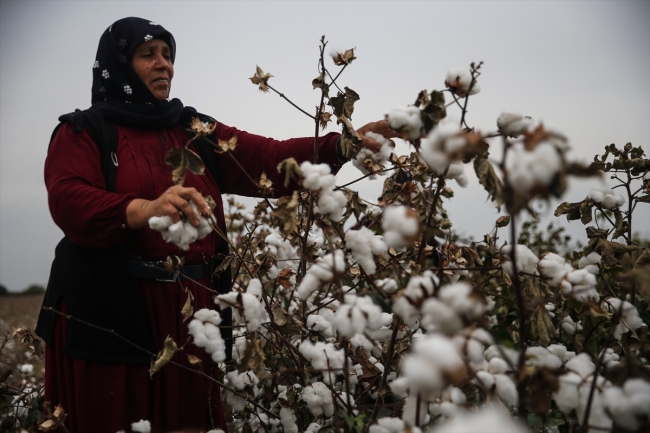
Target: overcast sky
(581, 66)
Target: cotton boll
(526, 260)
(590, 263)
(436, 148)
(606, 197)
(323, 356)
(584, 285)
(561, 352)
(410, 411)
(541, 357)
(581, 365)
(288, 420)
(181, 233)
(486, 379)
(319, 324)
(321, 272)
(566, 397)
(629, 317)
(458, 80)
(630, 404)
(141, 426)
(388, 285)
(407, 120)
(400, 225)
(387, 425)
(513, 125)
(205, 333)
(377, 157)
(554, 268)
(491, 419)
(528, 169)
(569, 326)
(506, 390)
(364, 244)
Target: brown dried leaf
(164, 356)
(284, 214)
(503, 221)
(253, 359)
(284, 277)
(202, 129)
(324, 117)
(343, 103)
(261, 79)
(286, 322)
(226, 146)
(193, 359)
(344, 58)
(265, 185)
(291, 170)
(48, 425)
(370, 370)
(182, 159)
(489, 179)
(188, 309)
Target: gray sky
(581, 66)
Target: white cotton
(497, 352)
(513, 125)
(318, 178)
(561, 352)
(526, 259)
(388, 285)
(418, 288)
(387, 425)
(319, 324)
(554, 268)
(583, 285)
(590, 263)
(459, 81)
(288, 420)
(410, 411)
(205, 332)
(182, 233)
(356, 314)
(630, 404)
(323, 356)
(629, 317)
(285, 254)
(542, 357)
(536, 168)
(486, 379)
(253, 307)
(400, 227)
(506, 389)
(323, 271)
(377, 157)
(141, 426)
(407, 120)
(318, 398)
(26, 368)
(569, 326)
(606, 197)
(437, 148)
(609, 358)
(448, 312)
(491, 419)
(581, 365)
(363, 244)
(566, 397)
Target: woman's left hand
(381, 127)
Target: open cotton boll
(205, 332)
(491, 419)
(513, 125)
(320, 324)
(561, 352)
(406, 120)
(181, 233)
(526, 260)
(318, 398)
(541, 357)
(141, 426)
(506, 389)
(363, 244)
(629, 317)
(288, 420)
(400, 225)
(569, 326)
(379, 157)
(590, 263)
(387, 425)
(583, 285)
(285, 254)
(356, 314)
(436, 148)
(411, 411)
(606, 197)
(418, 288)
(321, 272)
(554, 268)
(458, 80)
(536, 168)
(240, 381)
(323, 356)
(630, 404)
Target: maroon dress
(104, 397)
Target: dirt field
(19, 312)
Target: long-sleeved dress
(108, 397)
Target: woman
(104, 272)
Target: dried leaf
(489, 179)
(284, 277)
(284, 214)
(174, 263)
(202, 129)
(286, 322)
(355, 205)
(164, 356)
(48, 425)
(291, 170)
(188, 308)
(344, 58)
(265, 185)
(261, 79)
(193, 359)
(343, 104)
(370, 370)
(503, 221)
(253, 359)
(182, 159)
(324, 117)
(226, 146)
(542, 326)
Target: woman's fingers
(381, 127)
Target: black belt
(157, 271)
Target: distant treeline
(34, 289)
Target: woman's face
(153, 63)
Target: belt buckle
(173, 279)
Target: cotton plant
(250, 303)
(318, 178)
(459, 81)
(375, 160)
(442, 149)
(400, 225)
(606, 198)
(205, 333)
(181, 233)
(363, 245)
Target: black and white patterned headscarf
(118, 93)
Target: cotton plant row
(348, 313)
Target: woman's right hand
(171, 203)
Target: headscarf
(118, 93)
